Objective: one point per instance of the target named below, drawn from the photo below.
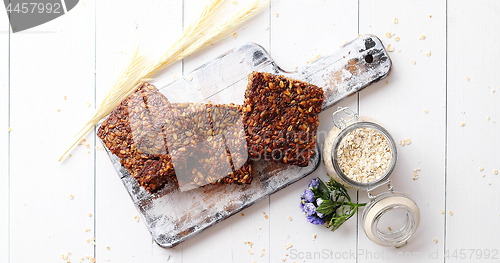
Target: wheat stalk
(138, 70)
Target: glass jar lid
(390, 218)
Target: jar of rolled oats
(361, 154)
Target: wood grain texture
(4, 137)
(300, 32)
(400, 102)
(49, 62)
(472, 29)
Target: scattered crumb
(189, 78)
(90, 215)
(288, 246)
(389, 228)
(313, 59)
(413, 61)
(405, 141)
(451, 213)
(65, 257)
(242, 214)
(314, 237)
(266, 216)
(395, 20)
(250, 244)
(397, 39)
(481, 168)
(71, 197)
(287, 236)
(9, 128)
(64, 97)
(388, 34)
(267, 28)
(442, 211)
(462, 124)
(25, 204)
(108, 248)
(88, 104)
(136, 218)
(435, 240)
(415, 173)
(467, 78)
(235, 35)
(58, 110)
(399, 50)
(493, 91)
(495, 172)
(283, 259)
(484, 175)
(250, 252)
(290, 218)
(235, 3)
(488, 118)
(92, 259)
(390, 48)
(489, 183)
(430, 16)
(386, 82)
(198, 87)
(261, 254)
(428, 53)
(260, 228)
(422, 37)
(277, 15)
(426, 111)
(87, 229)
(69, 155)
(263, 249)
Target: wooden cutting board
(171, 215)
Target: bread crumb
(430, 16)
(481, 168)
(250, 244)
(389, 228)
(435, 240)
(87, 229)
(397, 39)
(442, 211)
(495, 172)
(69, 155)
(136, 218)
(314, 237)
(189, 78)
(235, 35)
(489, 183)
(493, 91)
(242, 214)
(283, 259)
(451, 213)
(71, 197)
(467, 78)
(395, 20)
(58, 110)
(390, 48)
(386, 82)
(428, 53)
(198, 88)
(426, 111)
(88, 104)
(108, 248)
(422, 37)
(462, 124)
(9, 128)
(388, 34)
(313, 59)
(64, 97)
(413, 61)
(484, 175)
(288, 246)
(277, 15)
(235, 3)
(90, 215)
(266, 216)
(250, 252)
(290, 218)
(261, 254)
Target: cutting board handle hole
(369, 58)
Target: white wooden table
(426, 100)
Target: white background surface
(74, 56)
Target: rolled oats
(364, 155)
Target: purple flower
(302, 205)
(308, 195)
(315, 220)
(314, 183)
(319, 201)
(309, 209)
(319, 214)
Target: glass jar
(385, 205)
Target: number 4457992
(25, 8)
(471, 253)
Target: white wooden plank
(400, 104)
(155, 24)
(49, 62)
(4, 137)
(224, 242)
(472, 31)
(300, 31)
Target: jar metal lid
(379, 206)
